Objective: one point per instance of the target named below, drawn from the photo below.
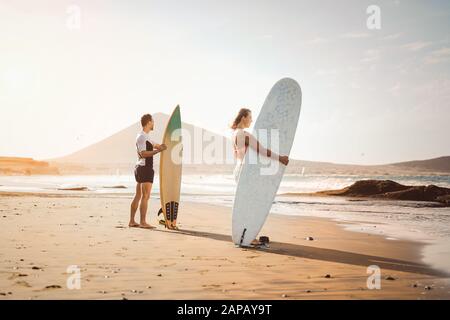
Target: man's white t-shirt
(141, 145)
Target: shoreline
(200, 262)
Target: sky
(75, 72)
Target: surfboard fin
(160, 211)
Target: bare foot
(133, 224)
(146, 226)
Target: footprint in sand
(23, 284)
(17, 275)
(52, 286)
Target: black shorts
(144, 174)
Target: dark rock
(389, 278)
(388, 189)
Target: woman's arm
(252, 142)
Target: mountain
(118, 153)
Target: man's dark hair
(146, 118)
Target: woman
(242, 140)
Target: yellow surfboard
(170, 170)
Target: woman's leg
(135, 206)
(146, 190)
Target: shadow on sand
(330, 255)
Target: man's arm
(149, 154)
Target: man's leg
(146, 190)
(135, 206)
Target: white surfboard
(258, 185)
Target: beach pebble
(428, 287)
(307, 291)
(102, 291)
(284, 295)
(159, 275)
(389, 278)
(123, 298)
(36, 268)
(309, 238)
(149, 287)
(414, 285)
(328, 276)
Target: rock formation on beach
(388, 189)
(25, 166)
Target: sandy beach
(43, 234)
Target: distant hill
(432, 166)
(437, 164)
(118, 153)
(25, 166)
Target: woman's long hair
(242, 113)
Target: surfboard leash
(242, 237)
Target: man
(144, 172)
